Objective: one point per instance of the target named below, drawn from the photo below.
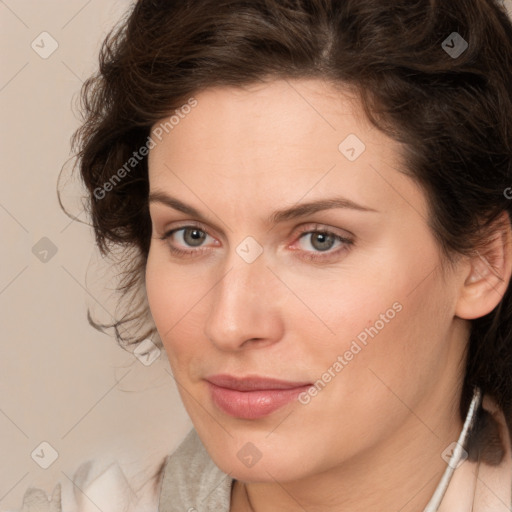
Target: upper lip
(252, 383)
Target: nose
(245, 307)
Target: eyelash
(310, 256)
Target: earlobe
(488, 275)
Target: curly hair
(451, 111)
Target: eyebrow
(293, 212)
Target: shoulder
(187, 480)
(95, 485)
(190, 477)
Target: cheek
(156, 291)
(401, 354)
(391, 321)
(162, 294)
(174, 300)
(357, 302)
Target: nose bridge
(244, 304)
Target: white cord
(435, 501)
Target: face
(287, 245)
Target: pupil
(323, 238)
(196, 235)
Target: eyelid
(322, 228)
(187, 224)
(308, 228)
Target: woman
(314, 197)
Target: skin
(372, 438)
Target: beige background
(58, 376)
(61, 382)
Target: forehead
(280, 110)
(280, 140)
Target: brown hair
(453, 114)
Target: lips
(252, 397)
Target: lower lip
(252, 405)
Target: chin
(284, 470)
(253, 458)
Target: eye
(186, 236)
(322, 241)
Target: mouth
(252, 397)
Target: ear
(487, 274)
